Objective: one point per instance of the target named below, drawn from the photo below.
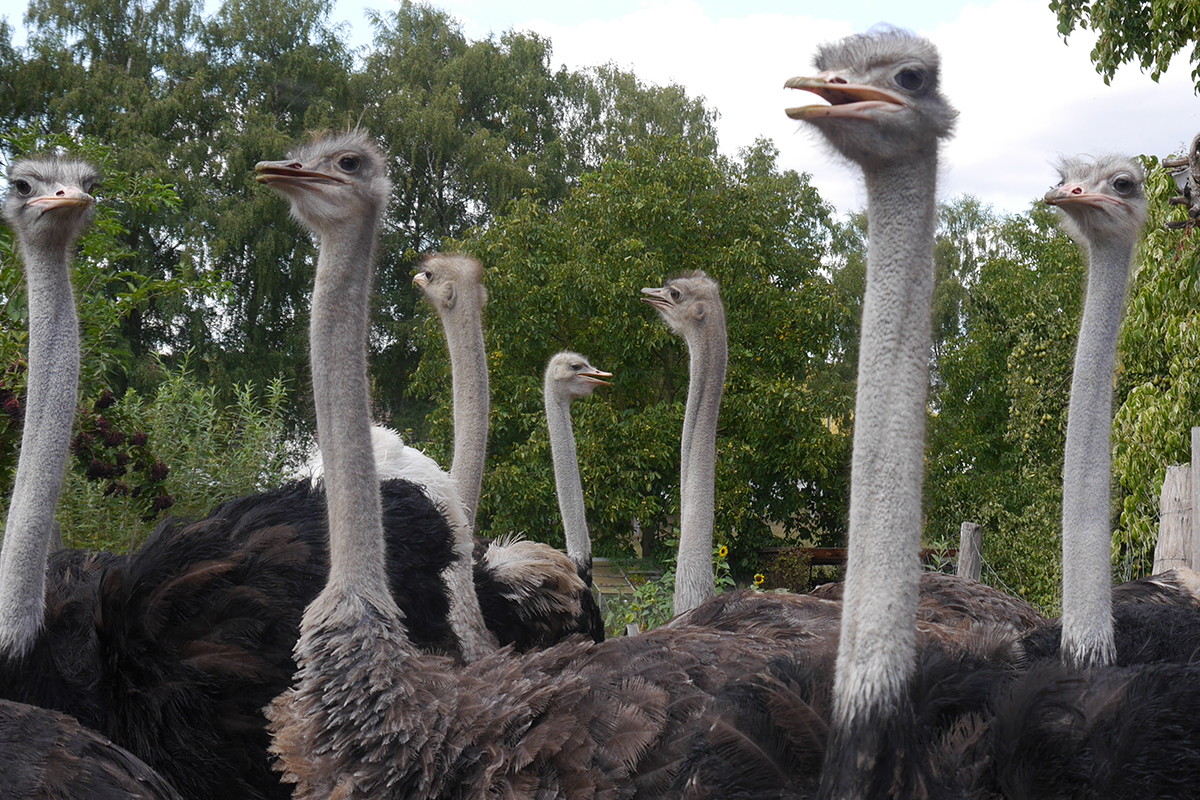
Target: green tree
(1147, 33)
(1158, 388)
(570, 277)
(999, 407)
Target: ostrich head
(1100, 199)
(447, 278)
(331, 182)
(884, 101)
(50, 200)
(572, 377)
(689, 304)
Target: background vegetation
(576, 189)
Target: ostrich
(49, 205)
(885, 112)
(172, 651)
(45, 753)
(369, 715)
(569, 376)
(453, 285)
(529, 594)
(691, 307)
(1103, 206)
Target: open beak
(67, 197)
(290, 172)
(851, 100)
(597, 377)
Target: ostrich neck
(883, 571)
(53, 381)
(566, 480)
(1087, 635)
(694, 582)
(469, 375)
(338, 339)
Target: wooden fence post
(1174, 520)
(1191, 545)
(970, 551)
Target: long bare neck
(883, 570)
(566, 479)
(53, 383)
(338, 339)
(469, 375)
(708, 357)
(1087, 634)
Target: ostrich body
(886, 114)
(371, 716)
(529, 594)
(45, 754)
(691, 307)
(1104, 207)
(569, 377)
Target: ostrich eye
(910, 80)
(1123, 184)
(676, 295)
(24, 189)
(349, 163)
(93, 188)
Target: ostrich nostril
(295, 165)
(1077, 190)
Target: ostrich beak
(291, 173)
(1074, 194)
(657, 297)
(66, 197)
(852, 100)
(420, 280)
(596, 376)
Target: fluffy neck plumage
(468, 365)
(877, 651)
(708, 356)
(53, 381)
(338, 340)
(1087, 634)
(566, 479)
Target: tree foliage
(1158, 388)
(1149, 34)
(1003, 373)
(576, 188)
(570, 278)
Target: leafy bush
(652, 603)
(788, 569)
(179, 449)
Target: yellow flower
(723, 552)
(759, 579)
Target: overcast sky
(1024, 95)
